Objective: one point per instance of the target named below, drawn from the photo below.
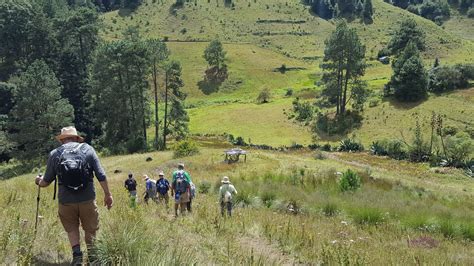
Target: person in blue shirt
(150, 192)
(162, 187)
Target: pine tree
(409, 79)
(367, 11)
(119, 96)
(176, 120)
(157, 54)
(343, 64)
(407, 32)
(39, 112)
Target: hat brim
(64, 136)
(225, 182)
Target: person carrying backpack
(192, 194)
(150, 186)
(73, 165)
(180, 189)
(226, 191)
(162, 186)
(131, 186)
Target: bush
(185, 148)
(243, 198)
(470, 12)
(289, 92)
(350, 145)
(392, 148)
(267, 198)
(444, 78)
(330, 209)
(349, 181)
(367, 216)
(326, 147)
(264, 96)
(204, 187)
(458, 149)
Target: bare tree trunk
(155, 74)
(165, 129)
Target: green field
(403, 214)
(263, 35)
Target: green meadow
(260, 36)
(404, 213)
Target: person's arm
(234, 190)
(100, 175)
(49, 175)
(108, 200)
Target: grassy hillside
(262, 35)
(404, 214)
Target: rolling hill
(260, 36)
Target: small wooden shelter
(233, 155)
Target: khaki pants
(84, 213)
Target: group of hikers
(181, 188)
(72, 168)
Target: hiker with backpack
(73, 166)
(162, 186)
(226, 191)
(131, 186)
(150, 189)
(180, 189)
(192, 194)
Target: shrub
(243, 198)
(289, 92)
(470, 12)
(264, 96)
(392, 148)
(444, 78)
(204, 187)
(349, 181)
(330, 209)
(374, 102)
(458, 149)
(326, 147)
(267, 198)
(303, 111)
(350, 145)
(185, 148)
(367, 216)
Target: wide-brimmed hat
(181, 165)
(146, 177)
(225, 180)
(68, 132)
(161, 173)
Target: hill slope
(262, 35)
(372, 225)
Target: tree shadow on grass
(403, 105)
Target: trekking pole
(37, 205)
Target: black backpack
(73, 171)
(180, 183)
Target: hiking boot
(76, 259)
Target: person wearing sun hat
(163, 186)
(74, 165)
(150, 186)
(226, 191)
